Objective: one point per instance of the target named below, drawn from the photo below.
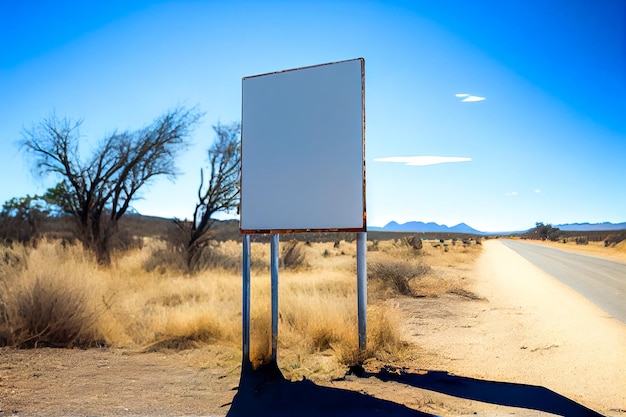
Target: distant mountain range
(432, 227)
(427, 227)
(591, 227)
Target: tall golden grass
(57, 295)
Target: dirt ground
(520, 343)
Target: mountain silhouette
(592, 227)
(430, 227)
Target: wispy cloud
(422, 160)
(512, 193)
(468, 98)
(537, 190)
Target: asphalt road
(601, 281)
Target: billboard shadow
(501, 393)
(266, 392)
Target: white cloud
(511, 193)
(423, 160)
(473, 98)
(468, 98)
(537, 190)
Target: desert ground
(513, 340)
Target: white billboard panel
(303, 162)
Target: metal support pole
(274, 290)
(361, 277)
(245, 309)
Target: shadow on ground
(501, 393)
(266, 392)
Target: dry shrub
(51, 302)
(413, 242)
(184, 332)
(396, 275)
(44, 313)
(260, 338)
(164, 259)
(213, 258)
(226, 256)
(614, 239)
(582, 240)
(293, 256)
(13, 258)
(123, 240)
(372, 246)
(383, 340)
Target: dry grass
(167, 257)
(47, 299)
(435, 270)
(151, 309)
(616, 253)
(396, 276)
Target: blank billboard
(303, 162)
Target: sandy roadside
(535, 330)
(528, 329)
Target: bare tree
(98, 191)
(217, 193)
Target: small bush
(383, 342)
(164, 259)
(614, 239)
(12, 260)
(183, 333)
(42, 312)
(396, 275)
(373, 246)
(260, 339)
(215, 255)
(293, 256)
(211, 257)
(124, 240)
(582, 240)
(414, 242)
(51, 298)
(322, 338)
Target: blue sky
(547, 143)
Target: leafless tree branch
(98, 192)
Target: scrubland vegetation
(615, 251)
(56, 294)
